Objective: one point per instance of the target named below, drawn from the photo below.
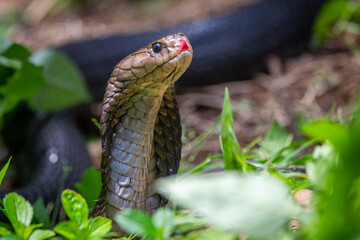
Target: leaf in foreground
(20, 214)
(40, 234)
(163, 220)
(337, 196)
(255, 205)
(75, 207)
(135, 222)
(79, 226)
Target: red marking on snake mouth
(183, 45)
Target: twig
(272, 165)
(300, 168)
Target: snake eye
(157, 47)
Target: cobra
(140, 125)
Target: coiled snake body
(140, 125)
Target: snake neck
(129, 162)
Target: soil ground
(306, 87)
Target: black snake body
(226, 48)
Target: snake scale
(140, 125)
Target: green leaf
(22, 84)
(10, 63)
(187, 223)
(4, 44)
(64, 85)
(96, 123)
(67, 229)
(163, 220)
(275, 140)
(41, 215)
(17, 51)
(233, 158)
(41, 234)
(19, 212)
(336, 195)
(100, 227)
(337, 134)
(331, 13)
(90, 186)
(4, 169)
(254, 205)
(11, 237)
(136, 222)
(75, 207)
(209, 234)
(4, 231)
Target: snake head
(161, 62)
(148, 71)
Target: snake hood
(140, 125)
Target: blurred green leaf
(337, 134)
(10, 63)
(64, 85)
(163, 220)
(22, 84)
(41, 215)
(233, 157)
(67, 229)
(331, 12)
(254, 205)
(135, 222)
(4, 231)
(75, 207)
(335, 17)
(99, 227)
(4, 169)
(336, 195)
(11, 237)
(325, 157)
(4, 44)
(96, 123)
(90, 186)
(276, 139)
(208, 234)
(188, 222)
(40, 234)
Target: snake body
(229, 47)
(140, 125)
(43, 145)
